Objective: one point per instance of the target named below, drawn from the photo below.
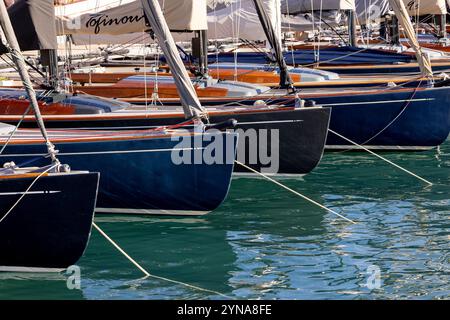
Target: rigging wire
(28, 189)
(290, 31)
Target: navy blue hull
(394, 119)
(139, 176)
(331, 56)
(50, 226)
(390, 120)
(343, 84)
(300, 133)
(388, 69)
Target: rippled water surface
(265, 242)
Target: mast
(383, 26)
(49, 59)
(18, 59)
(394, 30)
(442, 22)
(200, 51)
(189, 100)
(275, 43)
(403, 17)
(351, 24)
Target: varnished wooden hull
(141, 90)
(243, 75)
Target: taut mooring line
(382, 158)
(295, 192)
(147, 274)
(121, 250)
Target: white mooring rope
(147, 274)
(382, 158)
(295, 192)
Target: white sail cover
(423, 7)
(371, 10)
(305, 21)
(238, 19)
(114, 17)
(305, 6)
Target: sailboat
(381, 118)
(150, 171)
(350, 55)
(302, 131)
(46, 218)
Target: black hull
(302, 133)
(301, 138)
(50, 227)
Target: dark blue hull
(300, 133)
(393, 119)
(331, 56)
(50, 227)
(139, 176)
(354, 84)
(406, 69)
(390, 120)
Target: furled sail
(275, 43)
(30, 22)
(14, 48)
(188, 97)
(403, 17)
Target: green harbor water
(265, 242)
